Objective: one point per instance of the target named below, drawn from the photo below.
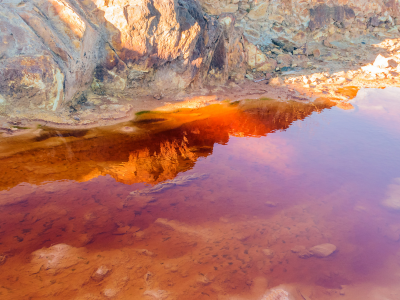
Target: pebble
(100, 273)
(268, 253)
(323, 250)
(110, 293)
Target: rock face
(265, 19)
(58, 53)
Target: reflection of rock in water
(170, 184)
(154, 167)
(142, 198)
(154, 154)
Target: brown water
(226, 202)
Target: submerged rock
(157, 294)
(323, 250)
(302, 251)
(268, 253)
(276, 294)
(55, 258)
(100, 273)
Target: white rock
(381, 62)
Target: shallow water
(219, 203)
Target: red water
(247, 185)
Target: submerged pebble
(323, 250)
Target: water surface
(208, 204)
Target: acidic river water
(251, 200)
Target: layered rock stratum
(65, 55)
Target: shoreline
(336, 74)
(279, 91)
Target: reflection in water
(253, 200)
(145, 156)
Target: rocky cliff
(53, 53)
(58, 54)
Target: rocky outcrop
(263, 20)
(57, 53)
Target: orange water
(266, 177)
